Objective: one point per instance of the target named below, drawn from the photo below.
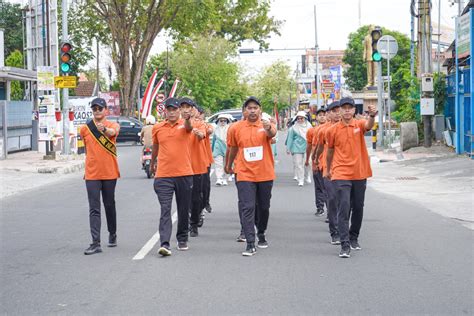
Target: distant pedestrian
(349, 167)
(174, 173)
(251, 141)
(206, 184)
(296, 146)
(101, 172)
(219, 148)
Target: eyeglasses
(299, 118)
(97, 109)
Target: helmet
(150, 120)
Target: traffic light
(376, 35)
(65, 59)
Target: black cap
(187, 101)
(99, 102)
(333, 105)
(320, 110)
(172, 102)
(349, 101)
(250, 99)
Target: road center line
(152, 242)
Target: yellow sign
(65, 81)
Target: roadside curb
(63, 170)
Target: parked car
(236, 114)
(130, 128)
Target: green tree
(11, 23)
(15, 59)
(274, 85)
(440, 93)
(130, 27)
(356, 74)
(91, 75)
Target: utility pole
(424, 57)
(316, 48)
(438, 59)
(97, 71)
(360, 20)
(412, 42)
(65, 36)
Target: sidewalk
(435, 178)
(27, 170)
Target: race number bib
(253, 153)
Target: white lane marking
(152, 242)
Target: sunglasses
(299, 118)
(97, 109)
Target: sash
(101, 139)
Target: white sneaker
(300, 184)
(295, 178)
(218, 183)
(308, 180)
(231, 178)
(224, 182)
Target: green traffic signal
(65, 67)
(376, 56)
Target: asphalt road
(412, 262)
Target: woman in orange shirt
(101, 172)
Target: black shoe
(201, 220)
(345, 251)
(262, 242)
(193, 232)
(164, 251)
(112, 240)
(335, 240)
(319, 213)
(326, 220)
(241, 238)
(249, 251)
(208, 208)
(182, 245)
(355, 245)
(93, 248)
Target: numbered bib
(253, 153)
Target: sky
(335, 20)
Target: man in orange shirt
(206, 185)
(320, 142)
(319, 191)
(348, 166)
(199, 162)
(173, 174)
(251, 142)
(101, 172)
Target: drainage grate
(406, 178)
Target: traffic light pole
(66, 149)
(380, 107)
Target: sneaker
(319, 213)
(335, 240)
(308, 180)
(249, 251)
(224, 183)
(93, 248)
(182, 246)
(300, 184)
(345, 252)
(262, 244)
(241, 238)
(355, 245)
(164, 251)
(201, 220)
(326, 220)
(193, 232)
(218, 183)
(295, 178)
(112, 240)
(208, 208)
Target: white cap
(224, 116)
(301, 113)
(150, 119)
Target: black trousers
(165, 188)
(94, 188)
(250, 194)
(320, 195)
(206, 188)
(332, 206)
(196, 199)
(350, 195)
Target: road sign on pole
(65, 82)
(387, 46)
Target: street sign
(387, 78)
(387, 46)
(65, 82)
(427, 106)
(464, 35)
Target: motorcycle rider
(146, 137)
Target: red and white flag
(146, 101)
(173, 88)
(154, 93)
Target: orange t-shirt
(197, 147)
(255, 157)
(320, 139)
(351, 159)
(207, 141)
(309, 135)
(230, 136)
(174, 157)
(100, 164)
(312, 138)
